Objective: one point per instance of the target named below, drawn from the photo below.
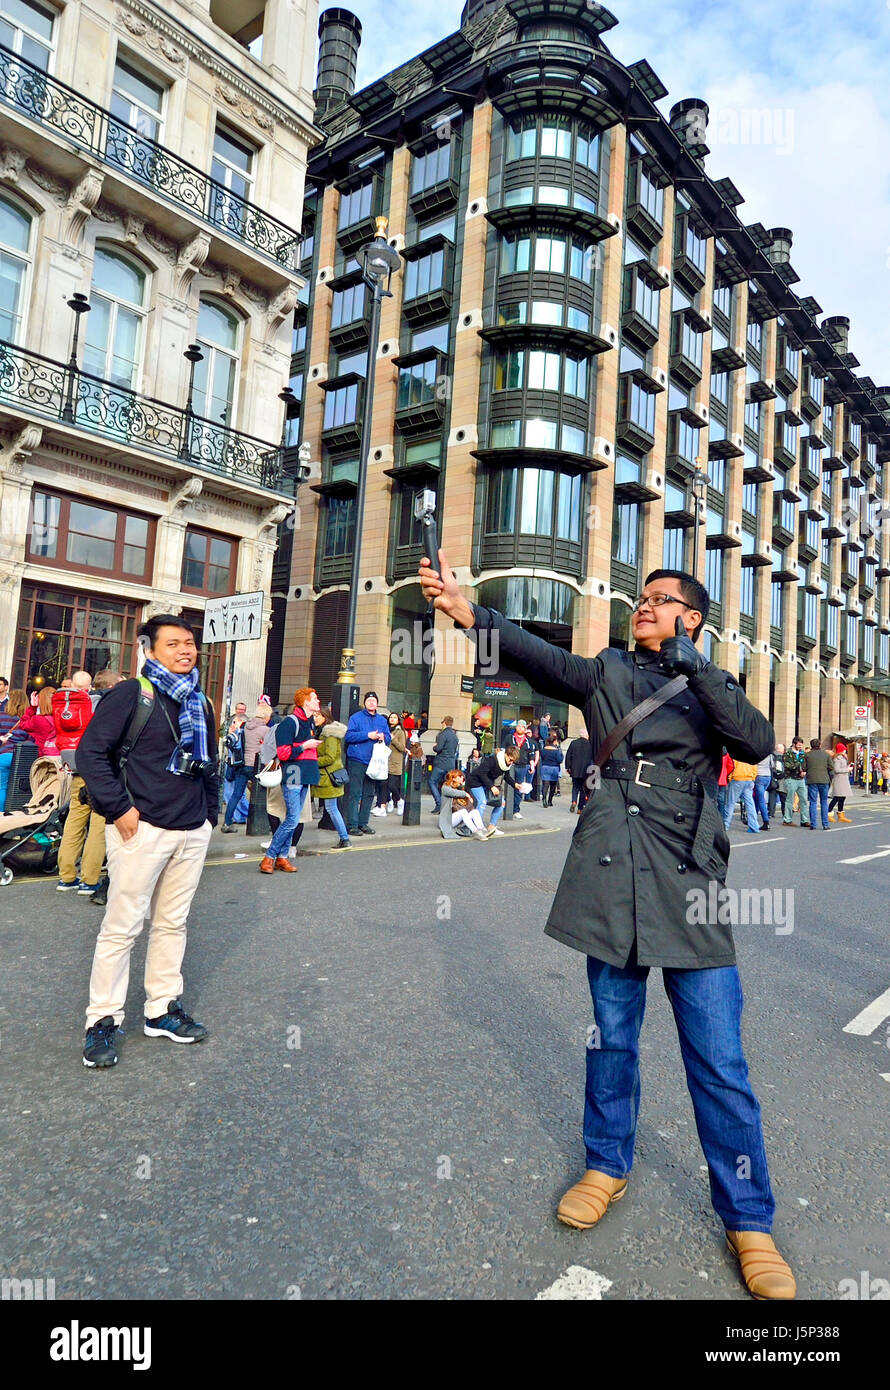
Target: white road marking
(577, 1283)
(885, 1075)
(866, 1022)
(881, 853)
(769, 840)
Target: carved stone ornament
(231, 282)
(104, 212)
(12, 162)
(19, 448)
(48, 182)
(133, 228)
(162, 244)
(187, 490)
(81, 201)
(157, 42)
(192, 255)
(244, 108)
(280, 308)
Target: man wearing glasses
(648, 838)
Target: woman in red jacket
(38, 722)
(297, 749)
(725, 770)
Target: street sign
(237, 618)
(467, 685)
(860, 712)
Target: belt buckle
(643, 762)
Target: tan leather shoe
(843, 817)
(764, 1271)
(267, 865)
(585, 1203)
(285, 865)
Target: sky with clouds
(800, 121)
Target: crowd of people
(813, 783)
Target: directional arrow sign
(234, 618)
(881, 853)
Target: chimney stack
(838, 327)
(779, 252)
(340, 33)
(689, 120)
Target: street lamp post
(379, 261)
(193, 355)
(699, 488)
(79, 305)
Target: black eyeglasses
(657, 600)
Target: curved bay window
(337, 539)
(540, 400)
(532, 516)
(551, 159)
(547, 253)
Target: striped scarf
(184, 690)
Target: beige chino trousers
(84, 836)
(155, 873)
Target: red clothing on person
(408, 723)
(42, 730)
(725, 769)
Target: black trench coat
(637, 852)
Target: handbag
(270, 775)
(339, 778)
(378, 767)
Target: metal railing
(28, 90)
(41, 386)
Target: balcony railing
(40, 386)
(89, 127)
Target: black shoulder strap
(636, 716)
(138, 720)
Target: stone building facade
(586, 351)
(152, 165)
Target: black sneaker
(100, 897)
(176, 1025)
(344, 844)
(365, 830)
(102, 1041)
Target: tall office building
(152, 163)
(582, 316)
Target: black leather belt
(645, 774)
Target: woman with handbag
(332, 775)
(396, 781)
(840, 783)
(297, 750)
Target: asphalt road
(389, 1104)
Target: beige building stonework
(152, 164)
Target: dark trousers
(360, 794)
(395, 785)
(776, 794)
(580, 794)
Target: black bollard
(257, 815)
(413, 791)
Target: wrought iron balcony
(80, 122)
(37, 385)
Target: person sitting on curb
(459, 812)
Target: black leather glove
(678, 655)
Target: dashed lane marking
(577, 1283)
(875, 1013)
(881, 853)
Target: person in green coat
(330, 761)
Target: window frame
(26, 259)
(63, 532)
(233, 564)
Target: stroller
(30, 835)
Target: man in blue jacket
(365, 728)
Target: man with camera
(148, 759)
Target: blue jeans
(360, 793)
(482, 801)
(332, 806)
(817, 796)
(5, 769)
(746, 792)
(760, 802)
(721, 802)
(294, 798)
(707, 1007)
(437, 777)
(239, 782)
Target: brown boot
(267, 865)
(764, 1271)
(585, 1203)
(842, 816)
(285, 865)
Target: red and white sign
(860, 712)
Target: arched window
(216, 378)
(115, 324)
(16, 229)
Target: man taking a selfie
(148, 758)
(648, 844)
